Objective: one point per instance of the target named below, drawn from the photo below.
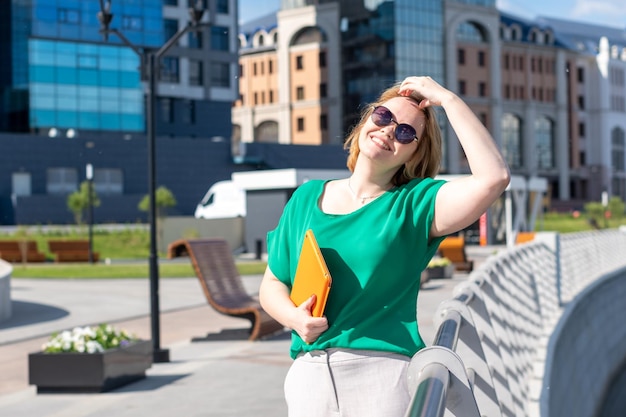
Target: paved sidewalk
(216, 378)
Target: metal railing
(486, 359)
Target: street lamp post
(89, 176)
(149, 58)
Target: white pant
(348, 383)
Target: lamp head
(196, 12)
(104, 17)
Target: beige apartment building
(287, 92)
(551, 95)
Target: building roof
(266, 22)
(583, 37)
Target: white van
(223, 200)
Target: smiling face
(417, 159)
(379, 144)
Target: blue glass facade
(140, 20)
(84, 86)
(419, 38)
(393, 40)
(75, 81)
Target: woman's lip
(380, 143)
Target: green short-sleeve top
(375, 256)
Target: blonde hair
(425, 161)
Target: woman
(377, 229)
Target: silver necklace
(363, 198)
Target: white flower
(87, 339)
(93, 347)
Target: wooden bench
(219, 278)
(453, 248)
(13, 251)
(71, 251)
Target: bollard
(259, 248)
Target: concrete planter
(89, 372)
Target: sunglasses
(404, 133)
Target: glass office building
(62, 76)
(385, 41)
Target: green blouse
(375, 256)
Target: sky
(602, 12)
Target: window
(68, 16)
(61, 180)
(262, 67)
(241, 70)
(170, 2)
(482, 89)
(300, 93)
(169, 69)
(166, 106)
(194, 39)
(544, 136)
(323, 90)
(322, 59)
(270, 66)
(271, 96)
(581, 102)
(323, 122)
(254, 69)
(299, 62)
(256, 99)
(21, 183)
(512, 140)
(462, 89)
(581, 129)
(189, 112)
(222, 6)
(581, 75)
(506, 61)
(132, 22)
(108, 181)
(300, 124)
(220, 74)
(219, 38)
(461, 56)
(170, 28)
(481, 58)
(195, 72)
(617, 149)
(507, 91)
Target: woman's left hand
(427, 90)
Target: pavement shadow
(150, 383)
(24, 313)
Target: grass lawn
(118, 270)
(128, 250)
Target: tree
(78, 201)
(164, 199)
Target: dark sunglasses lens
(381, 116)
(405, 133)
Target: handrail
(430, 396)
(433, 380)
(448, 331)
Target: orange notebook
(312, 276)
